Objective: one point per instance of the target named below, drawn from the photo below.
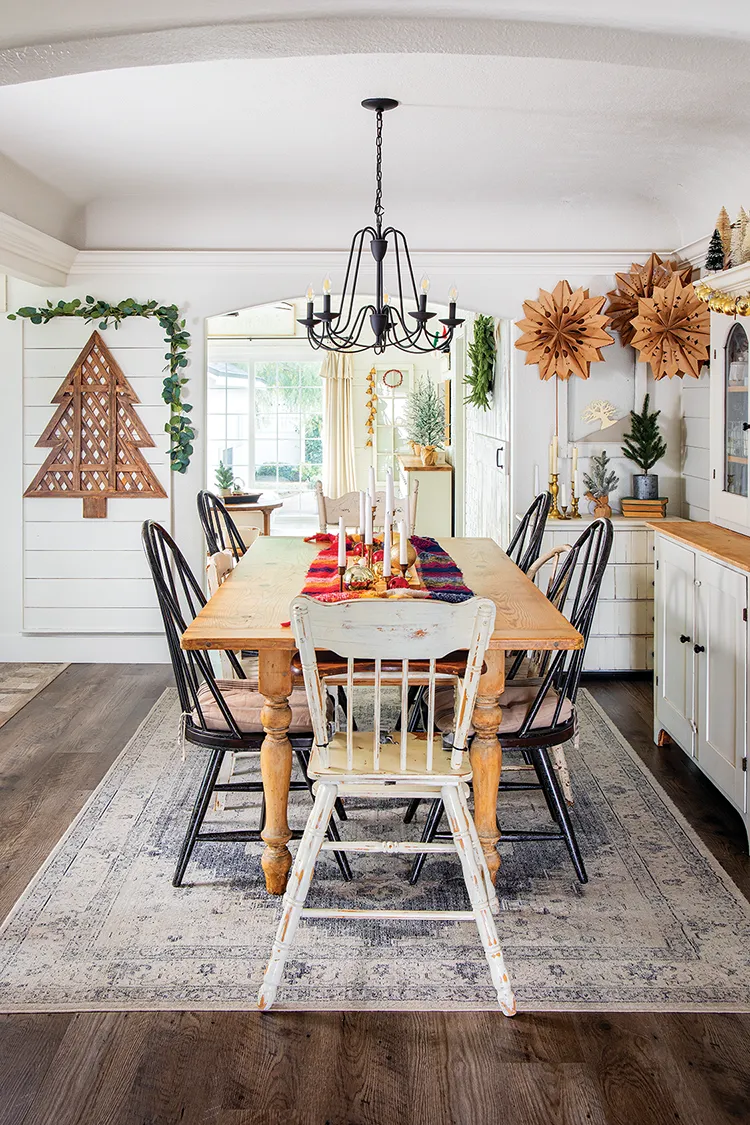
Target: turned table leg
(487, 756)
(275, 683)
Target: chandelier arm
(398, 234)
(351, 337)
(355, 249)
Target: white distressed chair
(330, 508)
(358, 763)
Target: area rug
(20, 683)
(659, 926)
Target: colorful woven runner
(440, 579)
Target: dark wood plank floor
(155, 1068)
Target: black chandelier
(342, 331)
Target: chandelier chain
(379, 209)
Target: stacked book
(643, 509)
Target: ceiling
(510, 134)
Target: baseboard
(625, 674)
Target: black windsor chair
(218, 526)
(222, 716)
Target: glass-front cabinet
(730, 422)
(736, 424)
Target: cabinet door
(721, 599)
(673, 635)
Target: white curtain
(338, 425)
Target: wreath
(393, 371)
(179, 427)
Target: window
(390, 435)
(264, 418)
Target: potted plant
(600, 481)
(425, 420)
(224, 479)
(645, 446)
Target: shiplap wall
(695, 454)
(90, 575)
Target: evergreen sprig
(601, 480)
(482, 354)
(644, 444)
(179, 427)
(425, 415)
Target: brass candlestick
(574, 513)
(342, 571)
(554, 487)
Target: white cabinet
(622, 634)
(701, 685)
(434, 496)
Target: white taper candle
(362, 512)
(387, 544)
(536, 480)
(342, 542)
(403, 543)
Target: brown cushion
(515, 702)
(245, 702)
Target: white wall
(204, 285)
(695, 447)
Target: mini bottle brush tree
(425, 416)
(715, 256)
(600, 481)
(224, 477)
(644, 446)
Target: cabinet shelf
(737, 390)
(737, 460)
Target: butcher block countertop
(719, 542)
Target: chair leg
(456, 805)
(199, 812)
(411, 810)
(225, 775)
(303, 757)
(262, 812)
(434, 816)
(560, 765)
(332, 831)
(296, 891)
(482, 859)
(562, 815)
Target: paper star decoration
(563, 332)
(672, 330)
(640, 282)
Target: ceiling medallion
(348, 329)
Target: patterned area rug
(20, 683)
(659, 926)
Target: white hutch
(702, 573)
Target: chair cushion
(245, 702)
(515, 702)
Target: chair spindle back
(218, 526)
(526, 543)
(393, 634)
(330, 508)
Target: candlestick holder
(554, 487)
(342, 571)
(574, 513)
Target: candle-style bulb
(327, 285)
(310, 293)
(452, 295)
(386, 299)
(424, 284)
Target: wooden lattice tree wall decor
(95, 437)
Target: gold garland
(723, 302)
(372, 409)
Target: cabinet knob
(699, 648)
(683, 639)
(746, 425)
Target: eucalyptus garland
(179, 427)
(482, 352)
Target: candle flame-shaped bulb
(310, 292)
(326, 285)
(453, 295)
(424, 284)
(386, 299)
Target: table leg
(266, 522)
(275, 683)
(487, 756)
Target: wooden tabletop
(719, 542)
(258, 506)
(247, 611)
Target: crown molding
(734, 281)
(31, 255)
(478, 262)
(693, 252)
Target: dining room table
(250, 609)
